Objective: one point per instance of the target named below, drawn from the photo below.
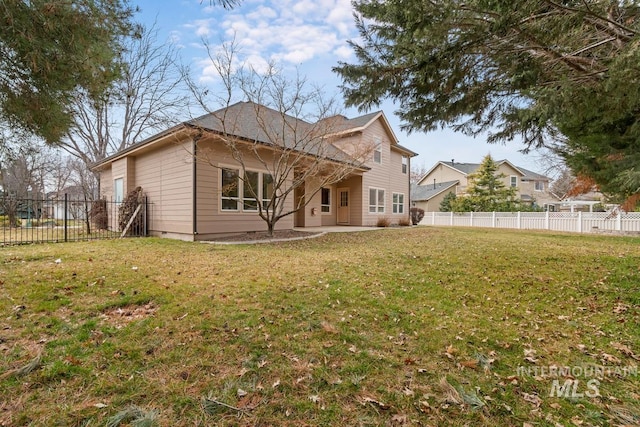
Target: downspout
(195, 185)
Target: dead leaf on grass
(399, 420)
(369, 400)
(620, 308)
(450, 352)
(534, 399)
(624, 349)
(609, 358)
(472, 364)
(451, 395)
(329, 328)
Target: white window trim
(377, 149)
(237, 199)
(259, 195)
(240, 199)
(396, 205)
(115, 194)
(511, 181)
(538, 183)
(405, 164)
(377, 206)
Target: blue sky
(307, 35)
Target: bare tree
(290, 129)
(144, 100)
(25, 168)
(417, 172)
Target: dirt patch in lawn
(120, 316)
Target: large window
(325, 200)
(267, 189)
(539, 185)
(514, 181)
(398, 203)
(118, 190)
(250, 192)
(245, 193)
(405, 164)
(230, 189)
(376, 200)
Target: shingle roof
(530, 175)
(257, 123)
(465, 168)
(468, 168)
(427, 192)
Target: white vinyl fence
(575, 222)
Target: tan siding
(211, 218)
(330, 217)
(106, 183)
(165, 176)
(442, 173)
(387, 175)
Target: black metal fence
(67, 219)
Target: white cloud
(343, 52)
(202, 27)
(288, 31)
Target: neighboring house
(453, 177)
(76, 205)
(187, 200)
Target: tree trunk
(270, 226)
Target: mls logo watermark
(571, 389)
(575, 382)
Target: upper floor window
(514, 181)
(405, 164)
(377, 151)
(539, 185)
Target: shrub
(383, 222)
(5, 221)
(404, 222)
(416, 215)
(98, 214)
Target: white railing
(574, 222)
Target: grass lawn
(412, 326)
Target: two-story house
(453, 177)
(191, 199)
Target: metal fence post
(146, 216)
(66, 210)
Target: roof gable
(468, 168)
